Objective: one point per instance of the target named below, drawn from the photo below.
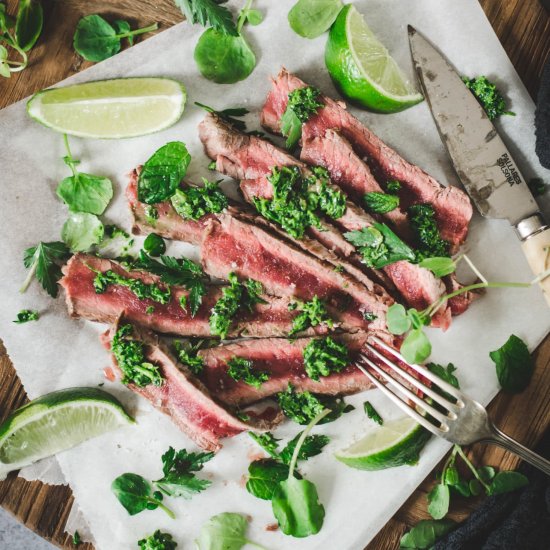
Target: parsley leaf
(372, 413)
(178, 468)
(312, 446)
(43, 261)
(488, 95)
(380, 246)
(302, 103)
(312, 314)
(208, 12)
(241, 369)
(195, 202)
(428, 240)
(380, 203)
(514, 365)
(324, 356)
(425, 533)
(445, 373)
(229, 116)
(26, 315)
(158, 541)
(267, 441)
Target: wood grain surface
(524, 30)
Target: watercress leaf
(475, 487)
(380, 203)
(158, 541)
(311, 18)
(397, 319)
(95, 39)
(297, 508)
(86, 193)
(154, 245)
(6, 21)
(462, 488)
(451, 476)
(123, 27)
(264, 477)
(291, 128)
(163, 172)
(416, 347)
(43, 261)
(438, 501)
(439, 266)
(312, 446)
(514, 365)
(81, 231)
(28, 24)
(505, 482)
(5, 69)
(223, 58)
(133, 492)
(486, 473)
(254, 17)
(3, 53)
(225, 531)
(208, 12)
(425, 533)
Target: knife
(481, 159)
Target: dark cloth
(542, 117)
(512, 521)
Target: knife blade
(481, 159)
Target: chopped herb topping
(393, 186)
(428, 240)
(26, 315)
(324, 356)
(371, 412)
(142, 290)
(234, 296)
(212, 165)
(297, 200)
(489, 97)
(195, 202)
(76, 538)
(151, 214)
(381, 203)
(380, 246)
(267, 441)
(302, 103)
(311, 314)
(369, 316)
(187, 353)
(241, 369)
(150, 310)
(158, 541)
(130, 358)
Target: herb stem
(163, 507)
(471, 466)
(242, 15)
(300, 441)
(128, 34)
(29, 278)
(13, 43)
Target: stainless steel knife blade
(480, 157)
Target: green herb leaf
(429, 243)
(43, 262)
(157, 541)
(291, 128)
(76, 540)
(514, 365)
(381, 203)
(486, 473)
(393, 186)
(241, 369)
(154, 245)
(439, 266)
(95, 39)
(81, 231)
(312, 446)
(416, 347)
(188, 355)
(163, 172)
(267, 441)
(438, 501)
(229, 116)
(208, 12)
(26, 315)
(312, 314)
(28, 24)
(425, 533)
(380, 246)
(247, 15)
(223, 58)
(311, 18)
(397, 319)
(445, 373)
(489, 97)
(324, 356)
(372, 413)
(505, 482)
(264, 477)
(86, 193)
(130, 358)
(134, 493)
(195, 202)
(302, 103)
(225, 531)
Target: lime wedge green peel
(111, 109)
(362, 68)
(56, 422)
(396, 443)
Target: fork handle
(505, 441)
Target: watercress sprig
(311, 18)
(225, 531)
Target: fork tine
(441, 417)
(422, 370)
(453, 407)
(406, 408)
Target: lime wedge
(396, 443)
(362, 67)
(120, 108)
(56, 422)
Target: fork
(463, 421)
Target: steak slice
(184, 398)
(452, 206)
(283, 361)
(270, 319)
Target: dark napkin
(512, 521)
(542, 117)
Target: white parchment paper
(58, 352)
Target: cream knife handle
(535, 237)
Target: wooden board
(523, 28)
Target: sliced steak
(270, 319)
(452, 206)
(184, 398)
